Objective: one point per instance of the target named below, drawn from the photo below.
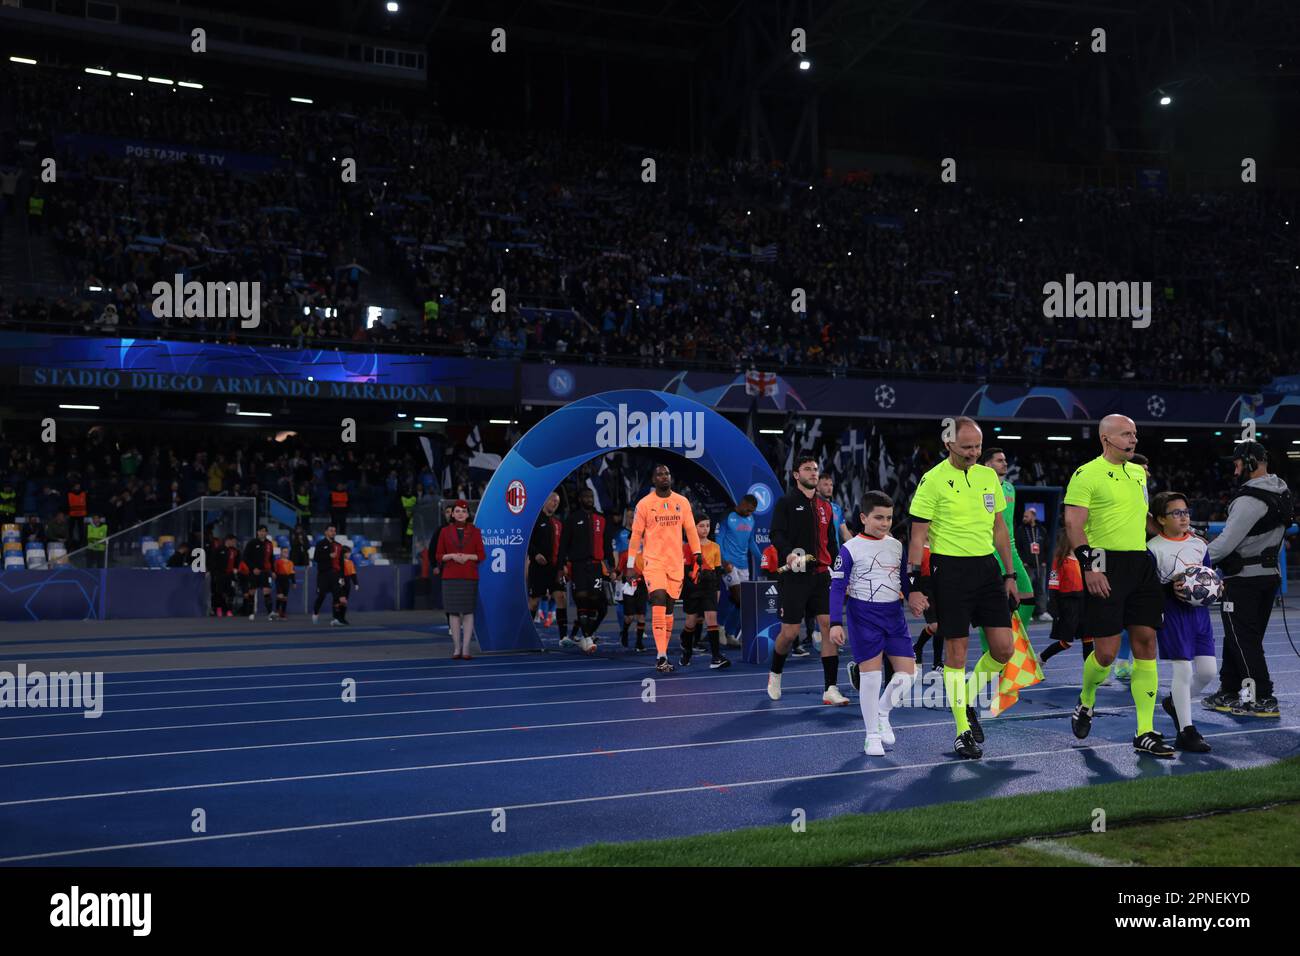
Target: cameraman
(1246, 551)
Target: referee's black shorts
(965, 592)
(1136, 597)
(804, 594)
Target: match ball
(1199, 587)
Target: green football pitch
(1217, 818)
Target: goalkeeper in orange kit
(662, 517)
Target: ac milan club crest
(516, 496)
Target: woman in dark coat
(458, 553)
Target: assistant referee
(1106, 506)
(959, 503)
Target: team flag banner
(1023, 670)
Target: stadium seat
(14, 561)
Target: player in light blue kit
(737, 542)
(1186, 636)
(867, 593)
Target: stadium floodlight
(1166, 100)
(1175, 441)
(129, 76)
(425, 418)
(22, 59)
(770, 431)
(805, 65)
(253, 414)
(96, 71)
(391, 6)
(1008, 438)
(81, 408)
(502, 421)
(300, 99)
(95, 288)
(1056, 438)
(162, 81)
(188, 85)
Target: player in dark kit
(582, 548)
(259, 555)
(804, 535)
(329, 575)
(544, 564)
(224, 568)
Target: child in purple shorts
(867, 592)
(1186, 637)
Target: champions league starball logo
(1156, 406)
(885, 396)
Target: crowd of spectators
(902, 276)
(129, 476)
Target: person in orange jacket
(286, 576)
(348, 583)
(700, 597)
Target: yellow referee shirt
(961, 507)
(1116, 499)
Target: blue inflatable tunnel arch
(560, 443)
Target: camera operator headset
(1246, 551)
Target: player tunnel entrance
(567, 438)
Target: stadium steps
(383, 289)
(29, 265)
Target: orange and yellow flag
(1023, 670)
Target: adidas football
(1199, 586)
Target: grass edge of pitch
(888, 835)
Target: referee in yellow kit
(959, 504)
(1106, 519)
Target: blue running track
(287, 773)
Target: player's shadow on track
(960, 780)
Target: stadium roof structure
(1010, 45)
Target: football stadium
(695, 434)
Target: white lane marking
(390, 713)
(1057, 849)
(574, 800)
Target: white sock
(896, 692)
(1206, 669)
(1181, 691)
(869, 699)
